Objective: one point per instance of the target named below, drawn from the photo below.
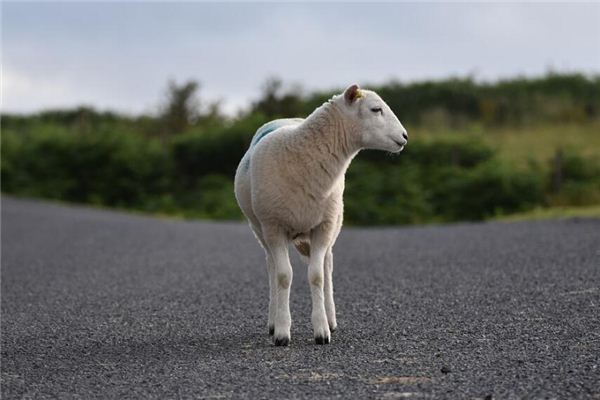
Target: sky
(120, 55)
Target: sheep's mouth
(400, 146)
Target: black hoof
(284, 341)
(332, 329)
(322, 340)
(271, 330)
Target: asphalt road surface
(99, 304)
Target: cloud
(30, 93)
(120, 55)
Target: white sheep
(290, 184)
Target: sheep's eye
(377, 110)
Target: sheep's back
(272, 126)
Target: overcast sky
(119, 56)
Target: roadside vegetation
(476, 151)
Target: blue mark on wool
(261, 133)
(272, 126)
(265, 130)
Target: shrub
(378, 195)
(489, 189)
(112, 169)
(574, 180)
(199, 153)
(216, 199)
(87, 156)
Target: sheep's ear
(352, 93)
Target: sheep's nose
(405, 136)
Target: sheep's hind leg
(272, 279)
(320, 243)
(328, 291)
(277, 246)
(272, 295)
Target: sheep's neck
(329, 145)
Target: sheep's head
(376, 124)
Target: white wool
(290, 186)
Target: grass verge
(553, 213)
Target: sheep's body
(290, 186)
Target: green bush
(86, 156)
(448, 179)
(490, 189)
(390, 195)
(199, 153)
(442, 179)
(113, 170)
(216, 199)
(574, 180)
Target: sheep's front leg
(328, 290)
(320, 243)
(281, 271)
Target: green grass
(553, 213)
(522, 144)
(540, 143)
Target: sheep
(290, 185)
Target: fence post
(557, 171)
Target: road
(99, 304)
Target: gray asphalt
(99, 304)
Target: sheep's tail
(303, 248)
